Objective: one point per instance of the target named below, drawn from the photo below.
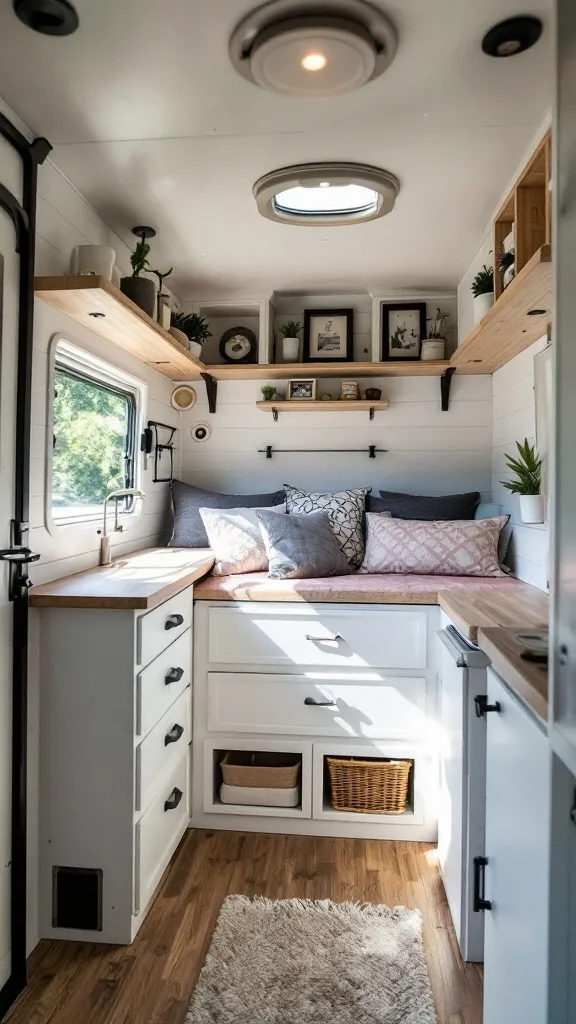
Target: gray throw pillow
(188, 530)
(301, 547)
(425, 507)
(345, 510)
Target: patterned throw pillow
(345, 510)
(462, 547)
(236, 540)
(301, 547)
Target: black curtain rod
(371, 451)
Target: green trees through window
(92, 441)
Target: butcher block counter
(140, 581)
(528, 679)
(471, 602)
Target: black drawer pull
(173, 800)
(174, 735)
(325, 639)
(483, 707)
(174, 676)
(173, 620)
(320, 703)
(480, 904)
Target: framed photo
(328, 335)
(303, 390)
(403, 330)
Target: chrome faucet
(126, 492)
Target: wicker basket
(260, 770)
(363, 785)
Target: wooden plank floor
(151, 981)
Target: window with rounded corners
(326, 194)
(95, 418)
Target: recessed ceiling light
(50, 17)
(318, 48)
(512, 36)
(298, 195)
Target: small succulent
(268, 392)
(527, 469)
(483, 282)
(196, 328)
(139, 258)
(290, 329)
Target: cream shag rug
(313, 962)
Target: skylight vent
(326, 194)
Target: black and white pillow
(345, 511)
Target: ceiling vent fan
(304, 49)
(49, 17)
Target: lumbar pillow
(236, 540)
(188, 530)
(300, 547)
(457, 548)
(423, 506)
(345, 511)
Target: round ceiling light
(50, 17)
(324, 194)
(512, 36)
(304, 49)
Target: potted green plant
(434, 345)
(527, 470)
(483, 292)
(506, 267)
(268, 392)
(190, 330)
(141, 290)
(290, 340)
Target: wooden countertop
(139, 581)
(471, 602)
(528, 679)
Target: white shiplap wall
(514, 419)
(430, 451)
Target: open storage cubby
(240, 763)
(224, 316)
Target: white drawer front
(158, 685)
(386, 707)
(159, 831)
(282, 635)
(162, 748)
(159, 628)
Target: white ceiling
(151, 123)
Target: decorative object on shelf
(483, 292)
(141, 290)
(200, 432)
(349, 391)
(303, 390)
(527, 469)
(373, 394)
(183, 398)
(432, 349)
(162, 297)
(403, 330)
(290, 340)
(328, 335)
(435, 344)
(506, 267)
(326, 397)
(98, 260)
(190, 330)
(164, 313)
(238, 345)
(268, 392)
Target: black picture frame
(310, 352)
(418, 309)
(251, 355)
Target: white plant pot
(433, 348)
(90, 260)
(532, 508)
(482, 304)
(290, 349)
(180, 336)
(195, 349)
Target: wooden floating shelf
(335, 405)
(285, 371)
(516, 320)
(119, 321)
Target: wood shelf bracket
(445, 385)
(211, 390)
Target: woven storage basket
(260, 770)
(378, 787)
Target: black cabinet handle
(480, 904)
(320, 703)
(174, 735)
(483, 707)
(325, 639)
(173, 620)
(174, 676)
(173, 800)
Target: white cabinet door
(517, 851)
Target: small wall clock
(238, 345)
